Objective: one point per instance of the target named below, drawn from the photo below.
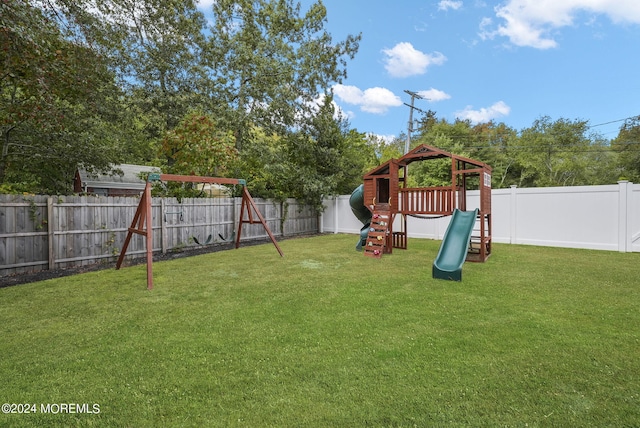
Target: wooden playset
(385, 195)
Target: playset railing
(427, 200)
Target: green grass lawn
(326, 337)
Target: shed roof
(123, 176)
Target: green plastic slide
(454, 247)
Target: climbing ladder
(378, 230)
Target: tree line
(245, 92)
(559, 152)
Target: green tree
(265, 164)
(554, 153)
(358, 156)
(58, 102)
(496, 144)
(95, 82)
(337, 154)
(627, 147)
(315, 154)
(322, 159)
(603, 167)
(443, 134)
(382, 150)
(198, 147)
(157, 48)
(268, 63)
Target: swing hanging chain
(181, 213)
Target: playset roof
(424, 152)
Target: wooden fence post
(163, 226)
(51, 234)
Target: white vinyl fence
(589, 217)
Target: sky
(510, 61)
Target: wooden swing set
(143, 219)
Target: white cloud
(449, 4)
(483, 115)
(348, 93)
(404, 60)
(434, 95)
(372, 100)
(533, 22)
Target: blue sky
(510, 61)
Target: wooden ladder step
(377, 237)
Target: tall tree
(262, 64)
(496, 145)
(383, 150)
(154, 46)
(269, 62)
(265, 164)
(554, 152)
(323, 158)
(603, 167)
(357, 157)
(336, 153)
(315, 154)
(158, 47)
(57, 101)
(627, 145)
(196, 146)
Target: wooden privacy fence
(51, 232)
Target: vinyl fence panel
(590, 217)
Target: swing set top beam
(195, 179)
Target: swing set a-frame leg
(250, 206)
(142, 225)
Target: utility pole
(414, 95)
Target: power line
(626, 146)
(613, 121)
